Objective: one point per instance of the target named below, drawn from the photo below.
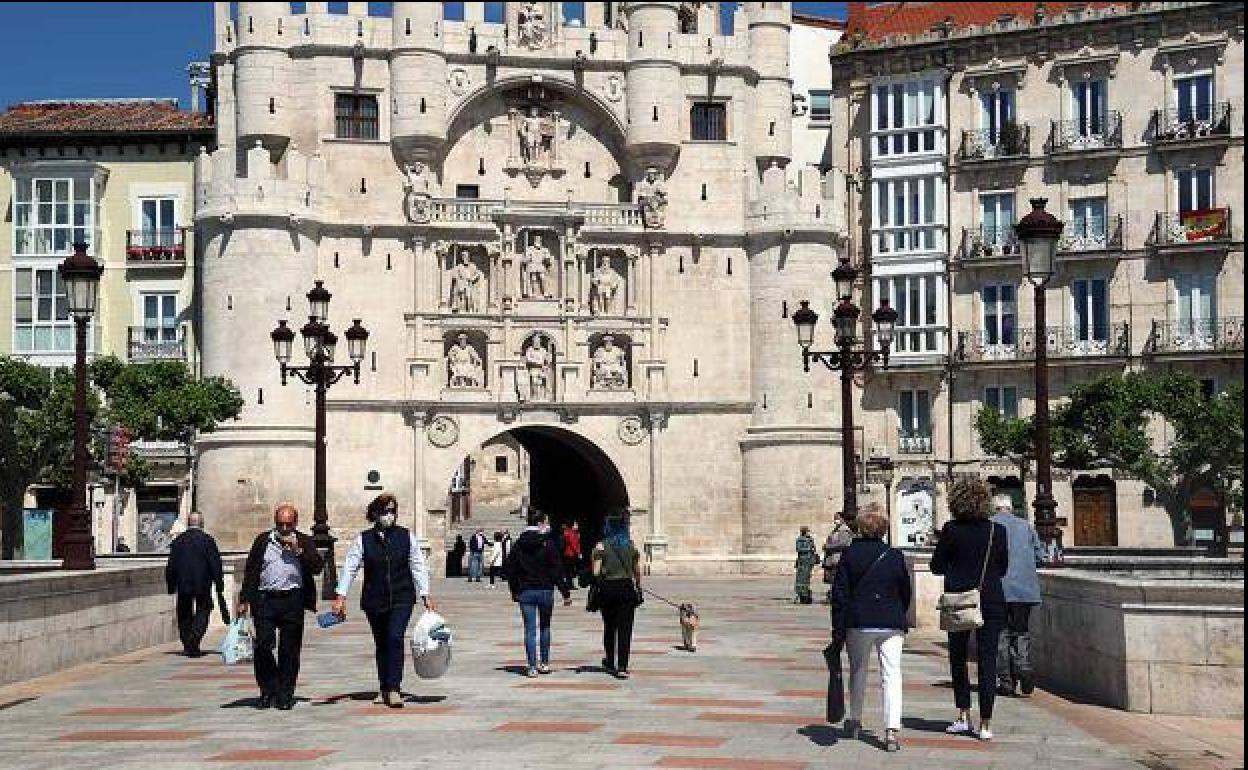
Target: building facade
(117, 175)
(1128, 119)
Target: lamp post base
(329, 573)
(1047, 527)
(79, 546)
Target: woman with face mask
(394, 577)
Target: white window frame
(917, 94)
(164, 233)
(32, 211)
(1001, 308)
(1001, 237)
(159, 331)
(927, 337)
(1081, 107)
(57, 327)
(1193, 175)
(915, 428)
(1089, 339)
(922, 200)
(992, 109)
(1000, 399)
(1187, 79)
(813, 121)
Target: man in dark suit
(278, 586)
(194, 567)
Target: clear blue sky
(94, 50)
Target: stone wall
(50, 621)
(1156, 645)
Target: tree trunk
(11, 520)
(1180, 519)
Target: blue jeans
(475, 560)
(389, 630)
(536, 607)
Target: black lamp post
(847, 360)
(319, 343)
(81, 275)
(1039, 232)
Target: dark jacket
(310, 560)
(477, 542)
(959, 557)
(867, 594)
(194, 565)
(387, 573)
(534, 562)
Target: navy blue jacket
(866, 596)
(194, 565)
(387, 573)
(959, 556)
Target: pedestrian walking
(476, 555)
(616, 566)
(1022, 594)
(973, 552)
(834, 545)
(395, 577)
(507, 551)
(494, 556)
(193, 569)
(870, 603)
(455, 559)
(805, 564)
(278, 587)
(533, 574)
(571, 550)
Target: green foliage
(161, 400)
(1003, 436)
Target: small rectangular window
(453, 11)
(467, 191)
(574, 14)
(820, 107)
(495, 13)
(355, 116)
(500, 464)
(709, 122)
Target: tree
(1106, 424)
(1007, 437)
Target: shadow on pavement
(924, 725)
(821, 735)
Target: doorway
(1096, 511)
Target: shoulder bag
(961, 610)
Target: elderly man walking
(278, 586)
(1022, 593)
(194, 567)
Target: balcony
(914, 442)
(1092, 236)
(1081, 139)
(1200, 335)
(156, 248)
(1205, 125)
(472, 211)
(980, 244)
(1009, 144)
(155, 343)
(1061, 342)
(1199, 231)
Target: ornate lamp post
(319, 343)
(847, 360)
(1039, 232)
(81, 274)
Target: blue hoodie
(1021, 583)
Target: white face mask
(386, 520)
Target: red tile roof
(878, 20)
(101, 117)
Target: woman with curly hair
(973, 552)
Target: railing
(164, 245)
(1175, 125)
(462, 209)
(1201, 226)
(1092, 235)
(611, 214)
(1091, 133)
(914, 442)
(989, 242)
(484, 210)
(1013, 140)
(155, 343)
(1196, 335)
(1060, 342)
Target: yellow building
(116, 174)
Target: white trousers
(887, 646)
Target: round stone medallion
(443, 431)
(632, 432)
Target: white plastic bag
(431, 646)
(238, 645)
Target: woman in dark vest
(394, 577)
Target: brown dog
(689, 626)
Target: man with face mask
(279, 586)
(394, 577)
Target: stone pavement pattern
(751, 697)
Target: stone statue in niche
(538, 360)
(464, 365)
(535, 270)
(465, 279)
(604, 285)
(535, 142)
(652, 196)
(610, 366)
(532, 25)
(416, 193)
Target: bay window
(918, 300)
(42, 323)
(908, 215)
(50, 215)
(907, 118)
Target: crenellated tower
(655, 94)
(262, 77)
(417, 82)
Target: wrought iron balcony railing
(1196, 335)
(1201, 226)
(1060, 342)
(1200, 122)
(1094, 132)
(156, 246)
(1013, 140)
(918, 442)
(1092, 235)
(989, 242)
(156, 343)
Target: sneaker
(543, 668)
(394, 699)
(985, 734)
(380, 700)
(1027, 683)
(891, 743)
(959, 727)
(621, 674)
(531, 673)
(853, 728)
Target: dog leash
(660, 598)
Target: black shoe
(606, 666)
(265, 701)
(285, 702)
(1027, 683)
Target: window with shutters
(709, 122)
(355, 116)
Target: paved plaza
(751, 697)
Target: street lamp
(81, 276)
(847, 360)
(319, 344)
(1039, 232)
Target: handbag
(961, 610)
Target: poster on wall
(915, 508)
(156, 531)
(36, 533)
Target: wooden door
(1096, 517)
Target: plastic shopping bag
(237, 646)
(431, 646)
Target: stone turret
(417, 82)
(654, 85)
(262, 77)
(771, 114)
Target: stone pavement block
(671, 741)
(271, 755)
